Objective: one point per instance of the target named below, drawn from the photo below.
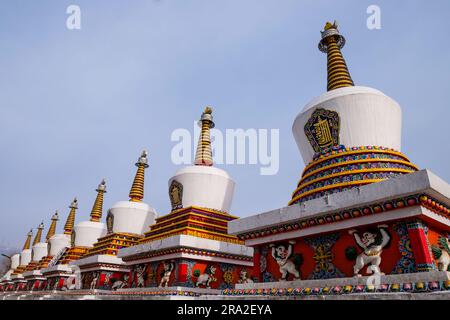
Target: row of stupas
(362, 218)
(188, 248)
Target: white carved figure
(243, 277)
(442, 254)
(119, 284)
(168, 268)
(207, 277)
(372, 244)
(140, 276)
(282, 256)
(94, 281)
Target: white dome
(39, 251)
(206, 187)
(57, 243)
(15, 261)
(131, 217)
(88, 232)
(367, 118)
(25, 257)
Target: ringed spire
(97, 208)
(27, 243)
(203, 156)
(52, 230)
(38, 236)
(331, 43)
(137, 189)
(70, 222)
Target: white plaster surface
(88, 232)
(58, 242)
(25, 257)
(132, 217)
(39, 251)
(367, 118)
(187, 241)
(206, 187)
(64, 268)
(15, 261)
(102, 258)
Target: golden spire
(137, 189)
(68, 227)
(37, 239)
(51, 231)
(28, 241)
(96, 213)
(331, 43)
(203, 157)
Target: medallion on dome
(322, 129)
(176, 195)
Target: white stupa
(61, 241)
(86, 233)
(349, 136)
(203, 185)
(133, 216)
(126, 223)
(196, 229)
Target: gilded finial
(208, 110)
(97, 208)
(37, 238)
(203, 156)
(137, 189)
(330, 25)
(74, 203)
(70, 222)
(52, 230)
(331, 43)
(101, 186)
(27, 243)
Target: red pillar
(256, 264)
(420, 246)
(182, 273)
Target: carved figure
(372, 244)
(168, 268)
(207, 277)
(282, 255)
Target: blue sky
(77, 106)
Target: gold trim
(147, 239)
(350, 172)
(343, 184)
(225, 214)
(186, 214)
(316, 162)
(353, 162)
